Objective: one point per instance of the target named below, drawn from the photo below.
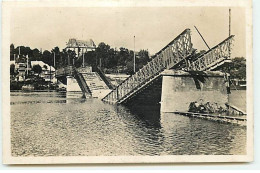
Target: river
(56, 124)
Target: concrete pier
(180, 88)
(72, 85)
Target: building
(80, 46)
(21, 69)
(48, 72)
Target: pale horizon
(153, 27)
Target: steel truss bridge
(179, 54)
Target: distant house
(48, 72)
(80, 46)
(21, 69)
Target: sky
(153, 27)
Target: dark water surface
(53, 124)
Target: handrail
(213, 56)
(81, 81)
(104, 78)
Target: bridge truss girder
(213, 57)
(167, 58)
(178, 54)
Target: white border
(8, 159)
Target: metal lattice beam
(213, 57)
(169, 57)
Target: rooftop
(81, 43)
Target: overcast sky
(153, 27)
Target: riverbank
(33, 91)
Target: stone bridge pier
(180, 88)
(174, 90)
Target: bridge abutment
(180, 88)
(72, 85)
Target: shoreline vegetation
(110, 60)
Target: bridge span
(175, 77)
(179, 54)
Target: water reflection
(72, 96)
(147, 114)
(74, 126)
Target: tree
(56, 52)
(123, 56)
(63, 58)
(36, 55)
(112, 60)
(12, 69)
(78, 62)
(142, 59)
(102, 53)
(45, 67)
(46, 57)
(130, 68)
(12, 52)
(238, 68)
(37, 69)
(91, 58)
(71, 56)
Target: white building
(48, 72)
(21, 69)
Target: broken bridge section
(149, 86)
(169, 57)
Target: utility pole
(50, 75)
(27, 64)
(83, 58)
(134, 54)
(54, 61)
(229, 54)
(229, 32)
(68, 59)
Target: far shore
(34, 91)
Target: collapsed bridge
(173, 69)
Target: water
(53, 124)
(238, 99)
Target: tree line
(111, 60)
